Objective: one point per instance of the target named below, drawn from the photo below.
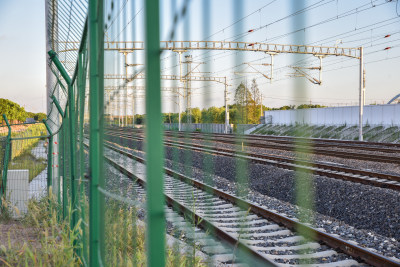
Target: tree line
(247, 109)
(15, 113)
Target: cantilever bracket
(60, 67)
(47, 127)
(55, 101)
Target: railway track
(245, 230)
(327, 147)
(372, 178)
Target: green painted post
(154, 136)
(49, 159)
(65, 195)
(96, 108)
(72, 150)
(62, 146)
(81, 89)
(6, 159)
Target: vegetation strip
(334, 242)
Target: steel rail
(305, 139)
(242, 248)
(385, 147)
(315, 147)
(307, 231)
(343, 173)
(263, 137)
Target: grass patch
(26, 161)
(47, 244)
(48, 241)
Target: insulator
(387, 35)
(387, 48)
(250, 30)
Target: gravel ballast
(366, 214)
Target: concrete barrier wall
(18, 191)
(204, 127)
(373, 115)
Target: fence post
(49, 159)
(96, 109)
(6, 158)
(81, 82)
(71, 116)
(72, 154)
(62, 145)
(154, 132)
(65, 196)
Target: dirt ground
(15, 233)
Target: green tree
(285, 107)
(243, 100)
(39, 116)
(12, 110)
(139, 119)
(255, 105)
(196, 115)
(305, 106)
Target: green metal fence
(97, 197)
(25, 156)
(110, 174)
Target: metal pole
(189, 87)
(126, 89)
(81, 82)
(320, 70)
(154, 132)
(133, 108)
(64, 181)
(49, 159)
(272, 67)
(364, 86)
(361, 99)
(226, 108)
(6, 159)
(180, 65)
(96, 107)
(179, 110)
(72, 154)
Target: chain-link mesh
(156, 166)
(27, 166)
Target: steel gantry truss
(271, 49)
(224, 45)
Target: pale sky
(22, 46)
(22, 53)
